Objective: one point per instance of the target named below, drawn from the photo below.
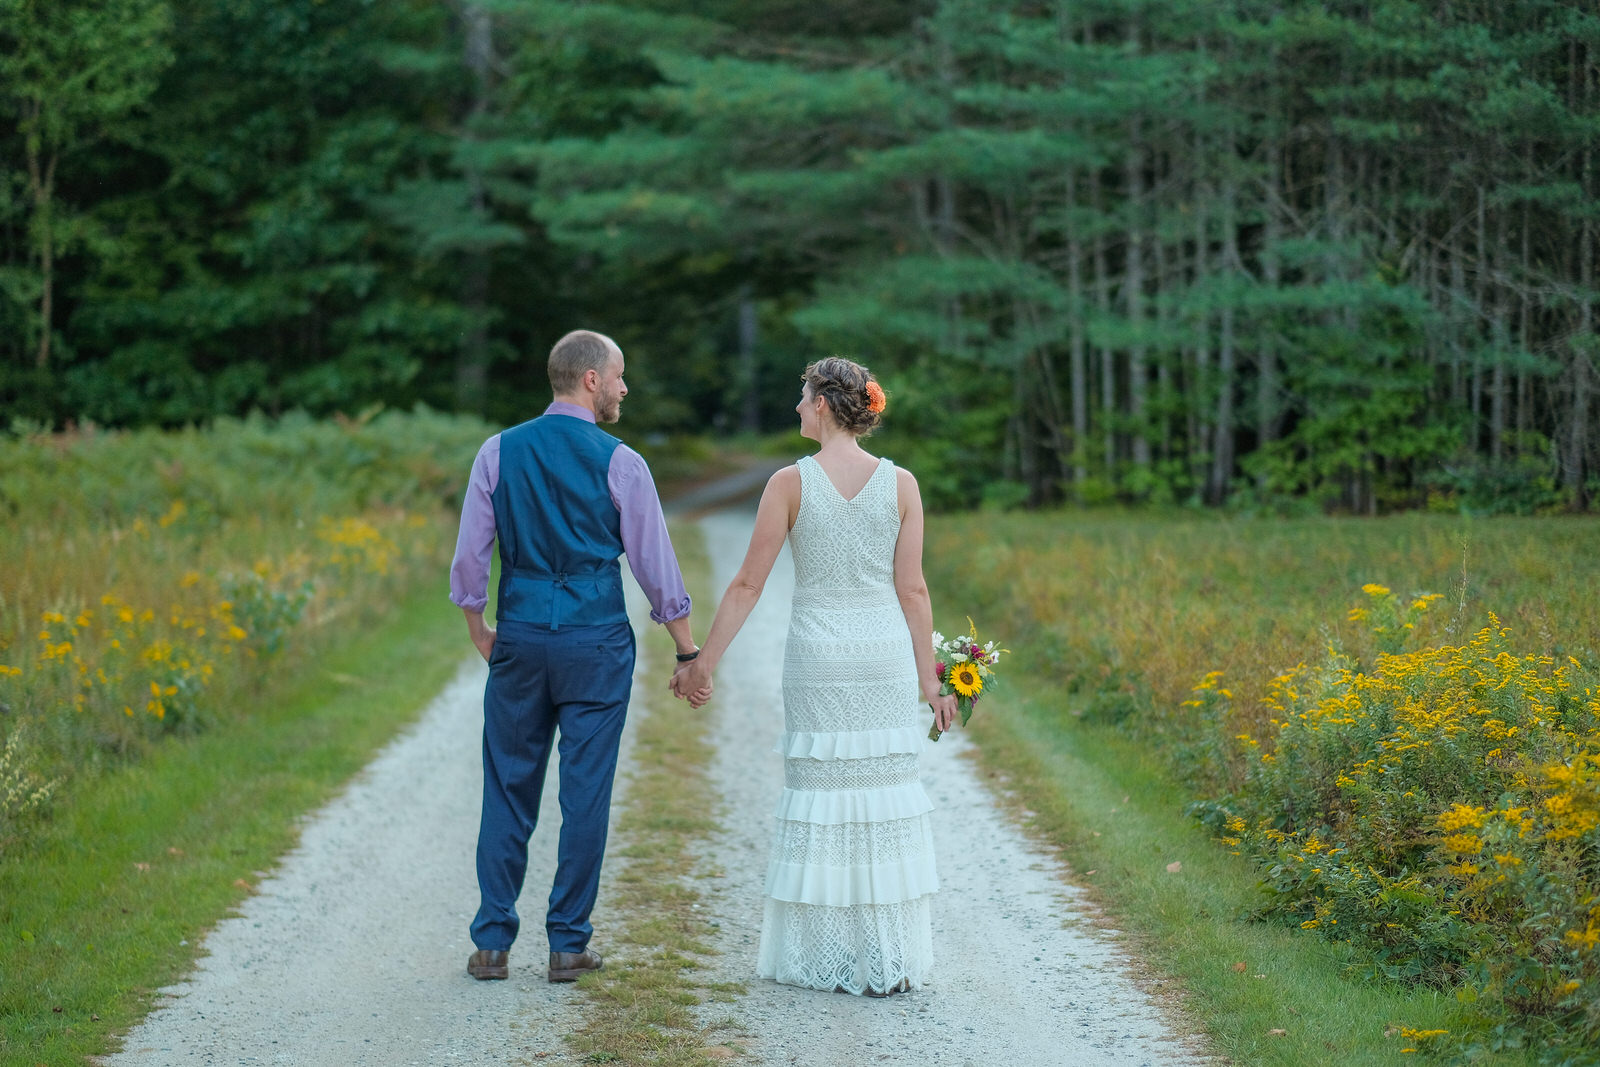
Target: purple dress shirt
(633, 492)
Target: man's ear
(591, 379)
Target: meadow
(1372, 744)
(203, 634)
(150, 581)
(1392, 724)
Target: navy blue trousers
(574, 681)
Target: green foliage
(1442, 810)
(1305, 256)
(1300, 750)
(73, 74)
(109, 898)
(1524, 485)
(943, 427)
(23, 790)
(150, 576)
(293, 468)
(1367, 428)
(268, 614)
(996, 170)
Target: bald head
(575, 354)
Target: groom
(564, 499)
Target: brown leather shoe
(487, 963)
(570, 966)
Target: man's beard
(609, 409)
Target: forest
(1301, 255)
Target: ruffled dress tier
(851, 879)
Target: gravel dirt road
(353, 951)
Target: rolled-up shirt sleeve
(644, 535)
(469, 571)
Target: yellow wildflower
(1466, 844)
(1462, 817)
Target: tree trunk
(1222, 454)
(1333, 210)
(749, 378)
(42, 184)
(1022, 428)
(1133, 297)
(1578, 427)
(1048, 396)
(1482, 308)
(1108, 356)
(1524, 393)
(1458, 299)
(1077, 343)
(472, 362)
(945, 190)
(47, 279)
(1205, 439)
(1500, 333)
(1163, 311)
(1271, 273)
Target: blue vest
(560, 534)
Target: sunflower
(966, 679)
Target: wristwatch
(685, 657)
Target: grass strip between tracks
(642, 1005)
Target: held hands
(943, 705)
(692, 682)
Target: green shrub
(1441, 809)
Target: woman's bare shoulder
(785, 478)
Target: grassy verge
(1122, 616)
(641, 1004)
(1117, 814)
(108, 901)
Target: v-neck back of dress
(876, 470)
(838, 542)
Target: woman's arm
(780, 502)
(912, 589)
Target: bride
(851, 879)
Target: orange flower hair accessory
(876, 401)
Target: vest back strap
(563, 579)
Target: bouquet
(965, 668)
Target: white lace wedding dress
(851, 879)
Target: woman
(851, 879)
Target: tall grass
(150, 581)
(1395, 719)
(1132, 609)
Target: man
(564, 499)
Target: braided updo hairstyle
(850, 390)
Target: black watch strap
(685, 657)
